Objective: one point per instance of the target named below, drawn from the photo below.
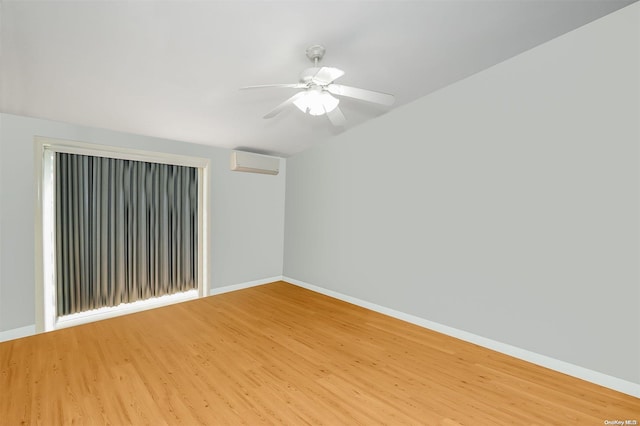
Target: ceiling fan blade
(362, 94)
(286, 103)
(326, 75)
(292, 86)
(336, 117)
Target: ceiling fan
(318, 86)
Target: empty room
(320, 212)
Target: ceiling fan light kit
(318, 86)
(317, 102)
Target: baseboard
(234, 287)
(17, 333)
(598, 378)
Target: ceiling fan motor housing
(307, 75)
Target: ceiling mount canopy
(318, 95)
(315, 53)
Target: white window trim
(44, 150)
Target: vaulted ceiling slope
(172, 69)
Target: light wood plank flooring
(279, 354)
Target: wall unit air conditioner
(254, 163)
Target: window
(120, 231)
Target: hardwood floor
(282, 354)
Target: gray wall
(505, 205)
(246, 212)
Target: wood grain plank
(280, 354)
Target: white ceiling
(173, 69)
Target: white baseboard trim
(598, 378)
(17, 333)
(234, 287)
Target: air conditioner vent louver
(254, 163)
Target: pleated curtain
(125, 231)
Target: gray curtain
(125, 231)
